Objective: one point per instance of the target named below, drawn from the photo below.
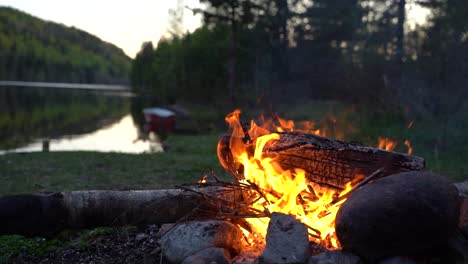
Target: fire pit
(293, 184)
(297, 197)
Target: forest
(32, 49)
(358, 51)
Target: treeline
(353, 50)
(35, 50)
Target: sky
(128, 24)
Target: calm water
(70, 120)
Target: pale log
(46, 214)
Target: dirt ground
(136, 245)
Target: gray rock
(209, 256)
(334, 257)
(141, 237)
(462, 188)
(188, 238)
(287, 241)
(402, 214)
(246, 258)
(397, 260)
(463, 224)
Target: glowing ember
(203, 179)
(285, 191)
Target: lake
(32, 118)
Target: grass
(188, 158)
(14, 245)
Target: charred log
(328, 162)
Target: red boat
(159, 120)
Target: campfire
(288, 178)
(276, 189)
(297, 197)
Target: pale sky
(127, 24)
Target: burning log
(326, 162)
(46, 214)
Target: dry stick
(317, 232)
(268, 213)
(359, 185)
(254, 186)
(346, 195)
(234, 212)
(204, 194)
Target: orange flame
(285, 191)
(410, 149)
(386, 143)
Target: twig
(317, 232)
(204, 194)
(359, 185)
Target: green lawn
(188, 158)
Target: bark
(46, 214)
(328, 162)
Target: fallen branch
(46, 214)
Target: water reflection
(122, 136)
(28, 114)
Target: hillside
(32, 49)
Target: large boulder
(401, 214)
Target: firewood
(47, 214)
(328, 162)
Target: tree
(176, 19)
